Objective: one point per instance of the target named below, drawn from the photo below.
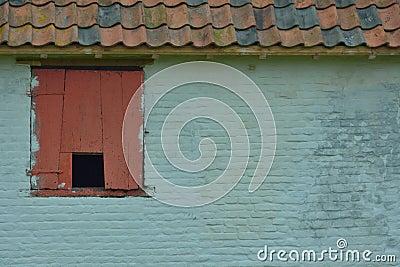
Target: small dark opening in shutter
(87, 170)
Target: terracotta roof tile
(375, 37)
(225, 36)
(322, 4)
(291, 37)
(262, 3)
(264, 17)
(201, 23)
(4, 9)
(111, 36)
(157, 37)
(132, 17)
(4, 33)
(19, 16)
(202, 37)
(179, 37)
(218, 3)
(299, 4)
(348, 18)
(269, 37)
(177, 16)
(21, 35)
(43, 36)
(154, 17)
(394, 38)
(344, 3)
(243, 17)
(134, 37)
(65, 16)
(199, 16)
(378, 3)
(221, 16)
(87, 16)
(328, 17)
(67, 36)
(312, 37)
(390, 17)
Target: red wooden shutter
(82, 125)
(131, 82)
(48, 99)
(117, 88)
(87, 117)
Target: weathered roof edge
(121, 50)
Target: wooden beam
(82, 61)
(123, 51)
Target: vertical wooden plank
(116, 175)
(65, 177)
(131, 84)
(82, 124)
(48, 134)
(51, 82)
(48, 105)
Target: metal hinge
(36, 172)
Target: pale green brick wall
(336, 174)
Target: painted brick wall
(336, 175)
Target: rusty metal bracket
(36, 172)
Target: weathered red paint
(116, 174)
(86, 117)
(131, 82)
(48, 134)
(82, 124)
(117, 89)
(51, 82)
(65, 178)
